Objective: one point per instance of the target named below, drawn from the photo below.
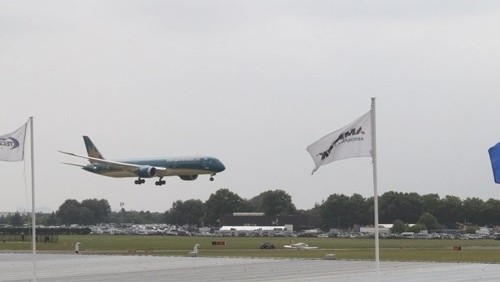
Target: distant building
(483, 231)
(382, 229)
(254, 230)
(299, 222)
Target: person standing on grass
(77, 248)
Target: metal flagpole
(375, 193)
(33, 221)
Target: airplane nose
(220, 166)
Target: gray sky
(252, 83)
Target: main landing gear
(160, 182)
(139, 181)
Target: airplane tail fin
(92, 149)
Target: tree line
(337, 211)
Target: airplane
(187, 167)
(298, 246)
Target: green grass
(399, 250)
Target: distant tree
(472, 208)
(47, 219)
(398, 227)
(431, 203)
(220, 203)
(155, 217)
(405, 206)
(147, 216)
(16, 219)
(100, 208)
(256, 202)
(69, 212)
(334, 212)
(89, 212)
(371, 211)
(429, 221)
(173, 216)
(337, 210)
(86, 216)
(357, 210)
(491, 212)
(246, 206)
(316, 210)
(136, 217)
(341, 211)
(451, 211)
(188, 212)
(276, 202)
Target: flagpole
(343, 144)
(33, 221)
(375, 193)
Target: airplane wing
(299, 246)
(74, 164)
(114, 164)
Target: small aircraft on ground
(187, 168)
(298, 246)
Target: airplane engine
(146, 171)
(188, 177)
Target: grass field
(399, 250)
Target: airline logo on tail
(92, 149)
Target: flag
(495, 161)
(12, 145)
(351, 141)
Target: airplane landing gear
(139, 181)
(160, 182)
(212, 177)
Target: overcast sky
(252, 83)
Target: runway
(66, 267)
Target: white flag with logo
(351, 141)
(12, 145)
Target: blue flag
(495, 161)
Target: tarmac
(70, 267)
